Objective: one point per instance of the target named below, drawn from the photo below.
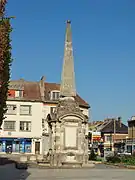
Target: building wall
(109, 139)
(131, 132)
(131, 129)
(35, 118)
(39, 112)
(117, 137)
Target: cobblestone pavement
(100, 172)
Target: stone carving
(67, 106)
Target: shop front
(130, 148)
(15, 145)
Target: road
(100, 172)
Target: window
(52, 109)
(11, 109)
(25, 110)
(43, 123)
(55, 95)
(109, 138)
(19, 93)
(25, 126)
(9, 125)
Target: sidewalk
(121, 165)
(96, 162)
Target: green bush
(92, 155)
(126, 159)
(113, 159)
(99, 159)
(129, 160)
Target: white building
(25, 129)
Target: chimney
(119, 121)
(42, 87)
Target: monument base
(64, 160)
(73, 164)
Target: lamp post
(114, 132)
(132, 131)
(111, 142)
(132, 139)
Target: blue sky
(104, 49)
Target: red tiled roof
(32, 91)
(53, 86)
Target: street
(100, 172)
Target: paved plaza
(100, 172)
(82, 174)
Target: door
(37, 147)
(0, 146)
(9, 147)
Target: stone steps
(71, 164)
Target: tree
(5, 58)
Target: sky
(103, 33)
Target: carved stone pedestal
(68, 127)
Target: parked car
(124, 153)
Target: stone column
(53, 138)
(57, 145)
(57, 137)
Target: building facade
(131, 128)
(113, 135)
(25, 129)
(130, 142)
(21, 131)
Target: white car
(124, 153)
